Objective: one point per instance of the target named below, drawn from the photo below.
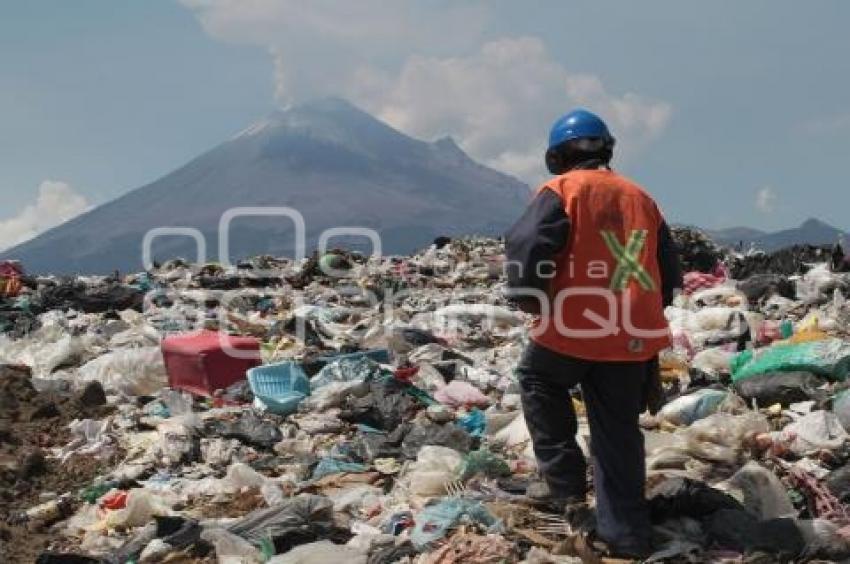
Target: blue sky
(729, 112)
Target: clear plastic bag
(133, 372)
(230, 548)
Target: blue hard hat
(578, 124)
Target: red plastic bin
(204, 362)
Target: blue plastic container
(281, 386)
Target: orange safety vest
(605, 293)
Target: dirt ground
(31, 423)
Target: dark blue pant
(613, 393)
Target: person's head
(576, 138)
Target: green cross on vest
(628, 264)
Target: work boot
(541, 496)
(631, 549)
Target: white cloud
(766, 200)
(500, 102)
(427, 68)
(55, 203)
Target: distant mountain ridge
(812, 232)
(335, 164)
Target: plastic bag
(718, 295)
(248, 429)
(346, 369)
(230, 548)
(133, 372)
(823, 541)
(841, 409)
(305, 515)
(91, 439)
(714, 361)
(673, 365)
(322, 552)
(458, 393)
(474, 423)
(814, 431)
(718, 438)
(485, 463)
(494, 315)
(761, 492)
(141, 508)
(428, 433)
(435, 466)
(434, 521)
(779, 387)
(177, 402)
(828, 357)
(686, 409)
(178, 442)
(329, 466)
(356, 499)
(817, 283)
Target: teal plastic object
(474, 422)
(329, 466)
(281, 386)
(434, 521)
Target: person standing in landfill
(594, 260)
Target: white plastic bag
(141, 508)
(230, 548)
(814, 431)
(133, 372)
(434, 467)
(322, 552)
(91, 439)
(714, 361)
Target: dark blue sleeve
(669, 263)
(541, 233)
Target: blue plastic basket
(281, 386)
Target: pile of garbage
(366, 409)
